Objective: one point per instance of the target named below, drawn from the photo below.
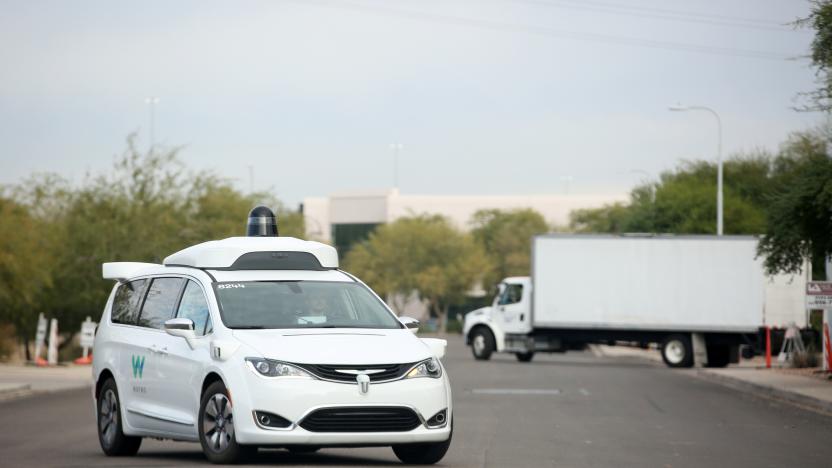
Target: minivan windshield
(301, 304)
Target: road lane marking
(583, 392)
(516, 391)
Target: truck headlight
(427, 368)
(270, 368)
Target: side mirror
(181, 327)
(410, 323)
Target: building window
(344, 236)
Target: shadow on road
(265, 457)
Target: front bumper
(295, 398)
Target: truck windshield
(301, 304)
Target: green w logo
(138, 366)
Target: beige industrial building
(344, 218)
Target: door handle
(156, 350)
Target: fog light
(438, 420)
(271, 420)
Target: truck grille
(376, 372)
(361, 419)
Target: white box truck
(694, 295)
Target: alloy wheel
(218, 423)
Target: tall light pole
(151, 101)
(396, 147)
(680, 108)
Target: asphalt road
(568, 410)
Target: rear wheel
(482, 343)
(216, 428)
(719, 355)
(525, 357)
(423, 454)
(677, 351)
(110, 434)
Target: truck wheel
(677, 351)
(719, 355)
(525, 357)
(482, 343)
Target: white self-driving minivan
(262, 341)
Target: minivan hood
(336, 346)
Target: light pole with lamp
(680, 108)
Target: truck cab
(504, 326)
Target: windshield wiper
(248, 327)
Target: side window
(512, 294)
(161, 299)
(194, 307)
(126, 303)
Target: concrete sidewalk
(20, 380)
(811, 392)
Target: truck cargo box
(687, 283)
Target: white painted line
(516, 391)
(583, 392)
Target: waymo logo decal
(138, 366)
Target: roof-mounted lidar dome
(261, 222)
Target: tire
(423, 454)
(110, 430)
(216, 428)
(719, 355)
(482, 343)
(525, 357)
(677, 351)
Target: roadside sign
(88, 333)
(819, 295)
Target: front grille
(361, 419)
(330, 371)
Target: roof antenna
(261, 222)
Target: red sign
(819, 288)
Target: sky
(485, 96)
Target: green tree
(820, 20)
(799, 226)
(24, 268)
(146, 208)
(420, 253)
(506, 237)
(684, 201)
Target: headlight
(427, 368)
(270, 368)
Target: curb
(765, 391)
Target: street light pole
(719, 201)
(152, 101)
(396, 147)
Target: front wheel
(425, 453)
(525, 357)
(482, 343)
(216, 428)
(110, 433)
